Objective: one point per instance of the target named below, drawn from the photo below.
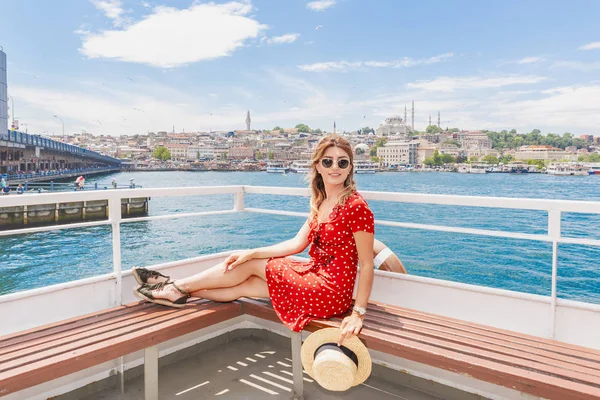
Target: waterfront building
(541, 153)
(474, 139)
(200, 152)
(424, 152)
(178, 151)
(240, 153)
(481, 152)
(398, 153)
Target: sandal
(144, 292)
(142, 275)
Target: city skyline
(90, 63)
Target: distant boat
(300, 166)
(477, 168)
(567, 169)
(364, 167)
(277, 167)
(594, 169)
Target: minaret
(413, 116)
(334, 127)
(429, 120)
(248, 121)
(439, 125)
(405, 121)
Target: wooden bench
(533, 365)
(45, 353)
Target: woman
(340, 231)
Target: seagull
(130, 79)
(138, 109)
(364, 116)
(318, 27)
(99, 122)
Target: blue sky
(130, 66)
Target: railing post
(238, 201)
(114, 216)
(297, 366)
(51, 186)
(25, 185)
(554, 219)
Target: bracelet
(360, 311)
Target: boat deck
(251, 367)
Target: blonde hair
(316, 180)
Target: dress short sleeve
(361, 217)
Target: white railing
(554, 208)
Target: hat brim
(331, 335)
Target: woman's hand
(236, 259)
(351, 325)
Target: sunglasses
(343, 163)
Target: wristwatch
(360, 311)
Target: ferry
(594, 169)
(478, 168)
(567, 169)
(300, 166)
(364, 167)
(277, 167)
(428, 338)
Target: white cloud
(590, 46)
(287, 38)
(320, 5)
(569, 107)
(578, 65)
(145, 4)
(342, 66)
(530, 60)
(449, 84)
(112, 9)
(170, 37)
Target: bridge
(30, 157)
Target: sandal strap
(181, 291)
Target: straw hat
(335, 368)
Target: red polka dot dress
(323, 286)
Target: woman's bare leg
(214, 278)
(251, 287)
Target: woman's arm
(352, 324)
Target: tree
(506, 159)
(453, 130)
(162, 153)
(433, 129)
(359, 151)
(447, 159)
(259, 155)
(271, 155)
(303, 128)
(375, 159)
(198, 155)
(595, 157)
(490, 159)
(366, 130)
(281, 130)
(277, 128)
(473, 159)
(317, 131)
